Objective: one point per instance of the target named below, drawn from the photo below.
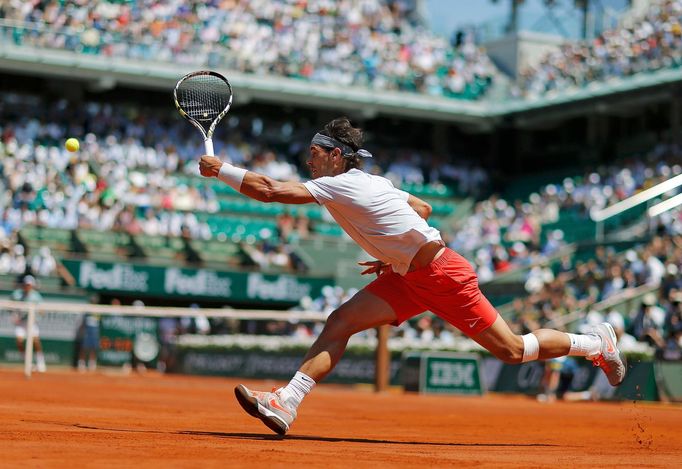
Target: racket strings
(204, 97)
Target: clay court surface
(66, 419)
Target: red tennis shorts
(448, 287)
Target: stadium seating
(640, 45)
(379, 44)
(56, 239)
(223, 253)
(160, 249)
(104, 246)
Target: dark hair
(342, 130)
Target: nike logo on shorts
(473, 322)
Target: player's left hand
(209, 166)
(374, 267)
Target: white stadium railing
(601, 215)
(32, 309)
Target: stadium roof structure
(101, 72)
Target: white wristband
(232, 175)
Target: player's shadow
(262, 436)
(271, 437)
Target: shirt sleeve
(323, 189)
(403, 195)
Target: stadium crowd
(379, 44)
(655, 323)
(134, 171)
(121, 180)
(648, 43)
(500, 235)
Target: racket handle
(208, 145)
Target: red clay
(66, 419)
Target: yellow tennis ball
(72, 145)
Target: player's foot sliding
(609, 360)
(276, 413)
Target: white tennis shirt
(375, 214)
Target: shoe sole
(253, 408)
(614, 339)
(625, 364)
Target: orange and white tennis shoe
(267, 406)
(610, 359)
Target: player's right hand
(209, 166)
(374, 267)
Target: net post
(383, 359)
(28, 355)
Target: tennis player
(416, 272)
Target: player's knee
(338, 325)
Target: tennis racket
(203, 98)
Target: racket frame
(208, 135)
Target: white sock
(299, 386)
(40, 361)
(584, 345)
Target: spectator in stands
(671, 282)
(7, 226)
(285, 225)
(302, 226)
(654, 269)
(279, 257)
(5, 256)
(17, 260)
(672, 350)
(647, 325)
(614, 281)
(28, 292)
(442, 333)
(673, 345)
(43, 263)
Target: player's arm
(422, 208)
(264, 188)
(255, 185)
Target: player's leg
(20, 336)
(450, 289)
(82, 353)
(598, 346)
(501, 341)
(92, 359)
(364, 311)
(40, 356)
(279, 409)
